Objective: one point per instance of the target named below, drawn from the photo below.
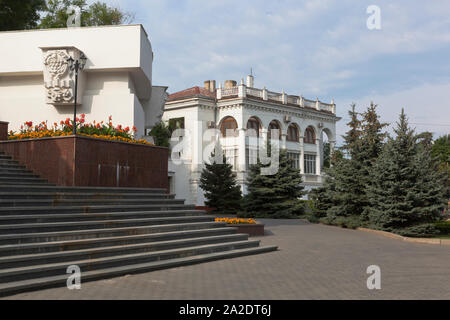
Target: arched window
(292, 133)
(310, 136)
(228, 128)
(274, 125)
(253, 127)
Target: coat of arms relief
(59, 86)
(58, 77)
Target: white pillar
(283, 141)
(264, 94)
(332, 146)
(318, 157)
(300, 100)
(264, 137)
(241, 149)
(250, 81)
(242, 91)
(283, 97)
(302, 156)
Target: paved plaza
(313, 262)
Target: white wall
(118, 76)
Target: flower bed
(236, 220)
(65, 128)
(248, 226)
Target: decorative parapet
(59, 79)
(244, 91)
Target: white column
(241, 149)
(332, 146)
(283, 141)
(300, 100)
(264, 94)
(197, 146)
(318, 157)
(264, 137)
(302, 156)
(242, 91)
(219, 92)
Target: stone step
(45, 218)
(83, 195)
(84, 202)
(12, 166)
(14, 170)
(11, 239)
(97, 224)
(16, 174)
(58, 246)
(110, 272)
(8, 161)
(91, 209)
(4, 156)
(53, 188)
(22, 180)
(60, 268)
(28, 260)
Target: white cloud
(316, 47)
(427, 107)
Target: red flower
(134, 129)
(29, 123)
(83, 116)
(127, 129)
(67, 121)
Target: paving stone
(314, 262)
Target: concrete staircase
(107, 232)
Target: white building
(303, 125)
(36, 83)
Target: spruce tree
(219, 184)
(344, 187)
(441, 151)
(352, 136)
(274, 196)
(372, 136)
(322, 198)
(406, 193)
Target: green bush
(443, 227)
(350, 222)
(425, 230)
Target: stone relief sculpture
(58, 78)
(60, 85)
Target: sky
(317, 48)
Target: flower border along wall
(65, 128)
(108, 157)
